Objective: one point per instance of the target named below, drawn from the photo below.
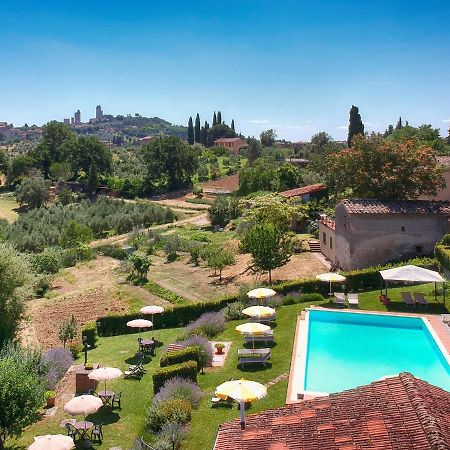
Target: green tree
(386, 169)
(214, 121)
(3, 162)
(223, 210)
(399, 125)
(33, 191)
(219, 118)
(253, 151)
(16, 282)
(269, 246)
(76, 234)
(140, 264)
(355, 126)
(21, 395)
(57, 141)
(197, 134)
(170, 162)
(65, 196)
(18, 168)
(190, 132)
(219, 131)
(268, 138)
(92, 182)
(232, 125)
(89, 151)
(67, 330)
(218, 258)
(60, 171)
(424, 134)
(288, 177)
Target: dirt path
(180, 203)
(122, 238)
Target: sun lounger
(339, 297)
(256, 356)
(352, 299)
(219, 399)
(406, 297)
(267, 319)
(135, 371)
(266, 338)
(420, 299)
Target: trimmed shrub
(288, 300)
(311, 298)
(57, 361)
(203, 344)
(170, 411)
(179, 388)
(113, 251)
(186, 369)
(209, 324)
(49, 261)
(234, 311)
(90, 331)
(179, 356)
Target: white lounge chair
(353, 299)
(420, 299)
(340, 299)
(407, 298)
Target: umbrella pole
(434, 291)
(242, 413)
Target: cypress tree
(190, 131)
(399, 125)
(214, 119)
(232, 125)
(219, 118)
(355, 124)
(203, 136)
(448, 137)
(406, 124)
(206, 143)
(197, 135)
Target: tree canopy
(268, 138)
(355, 126)
(386, 169)
(33, 191)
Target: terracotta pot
(219, 351)
(51, 402)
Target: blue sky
(296, 66)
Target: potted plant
(88, 366)
(219, 347)
(50, 397)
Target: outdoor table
(83, 428)
(148, 344)
(256, 351)
(106, 397)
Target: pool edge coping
(298, 362)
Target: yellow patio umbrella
(52, 442)
(261, 293)
(242, 391)
(253, 329)
(330, 277)
(258, 311)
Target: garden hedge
(183, 355)
(186, 369)
(180, 315)
(90, 331)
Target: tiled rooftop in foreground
(398, 413)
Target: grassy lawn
(121, 427)
(8, 208)
(203, 234)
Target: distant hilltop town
(99, 117)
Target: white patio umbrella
(105, 374)
(242, 391)
(261, 293)
(82, 405)
(330, 277)
(52, 442)
(253, 329)
(139, 323)
(152, 309)
(258, 311)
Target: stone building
(369, 232)
(232, 144)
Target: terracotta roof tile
(398, 413)
(369, 206)
(303, 190)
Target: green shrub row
(113, 251)
(164, 293)
(442, 253)
(90, 331)
(183, 355)
(186, 369)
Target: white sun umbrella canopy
(139, 323)
(253, 329)
(261, 293)
(242, 391)
(330, 277)
(52, 442)
(258, 311)
(152, 309)
(82, 405)
(105, 374)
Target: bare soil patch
(229, 183)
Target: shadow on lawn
(432, 308)
(104, 416)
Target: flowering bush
(234, 311)
(179, 388)
(58, 361)
(172, 410)
(210, 324)
(204, 344)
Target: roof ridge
(430, 424)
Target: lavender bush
(179, 388)
(204, 344)
(58, 361)
(209, 324)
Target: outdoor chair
(407, 298)
(97, 433)
(92, 392)
(353, 299)
(218, 400)
(267, 319)
(266, 338)
(71, 430)
(420, 299)
(117, 399)
(261, 356)
(340, 299)
(135, 371)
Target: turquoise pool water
(346, 350)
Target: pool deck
(300, 346)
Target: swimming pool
(344, 350)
